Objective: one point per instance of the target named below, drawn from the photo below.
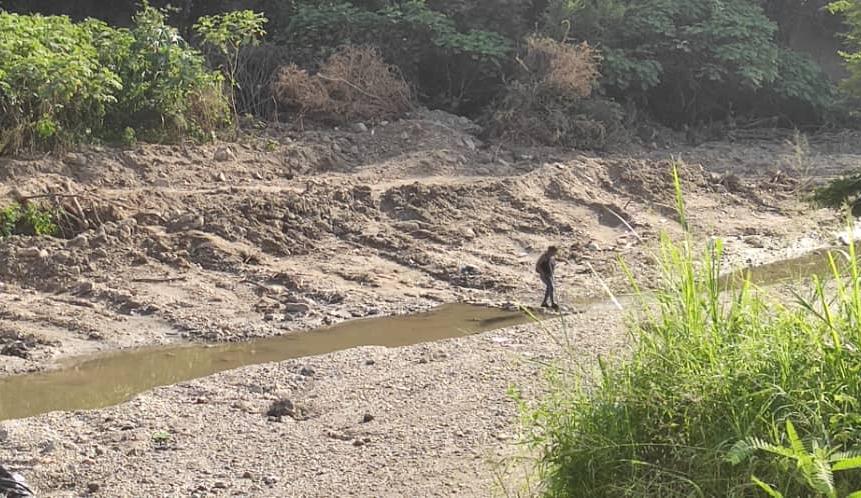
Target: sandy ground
(288, 231)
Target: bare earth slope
(287, 231)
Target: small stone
(358, 442)
(33, 252)
(370, 362)
(93, 487)
(296, 308)
(83, 288)
(367, 418)
(78, 242)
(220, 485)
(247, 475)
(75, 159)
(223, 154)
(360, 127)
(270, 480)
(306, 371)
(354, 150)
(469, 143)
(221, 177)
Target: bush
(168, 91)
(456, 69)
(353, 84)
(851, 10)
(63, 82)
(549, 103)
(714, 392)
(689, 61)
(28, 219)
(53, 87)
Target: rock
(306, 371)
(404, 136)
(469, 270)
(354, 150)
(360, 127)
(19, 349)
(845, 237)
(224, 153)
(33, 252)
(221, 177)
(270, 480)
(296, 308)
(247, 475)
(370, 362)
(336, 148)
(358, 442)
(78, 242)
(93, 487)
(75, 159)
(83, 288)
(470, 144)
(284, 407)
(219, 485)
(367, 418)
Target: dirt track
(287, 231)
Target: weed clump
(29, 219)
(722, 395)
(354, 83)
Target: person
(545, 267)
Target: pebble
(93, 487)
(220, 485)
(296, 308)
(223, 154)
(367, 418)
(270, 480)
(306, 371)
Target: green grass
(29, 219)
(723, 394)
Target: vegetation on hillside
(734, 395)
(63, 82)
(681, 62)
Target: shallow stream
(113, 378)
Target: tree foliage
(688, 60)
(851, 10)
(62, 82)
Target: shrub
(689, 61)
(28, 219)
(354, 83)
(229, 33)
(53, 87)
(167, 90)
(457, 69)
(713, 392)
(549, 103)
(63, 82)
(851, 10)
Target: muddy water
(810, 264)
(114, 378)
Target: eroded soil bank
(289, 231)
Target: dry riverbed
(292, 231)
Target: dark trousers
(549, 293)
